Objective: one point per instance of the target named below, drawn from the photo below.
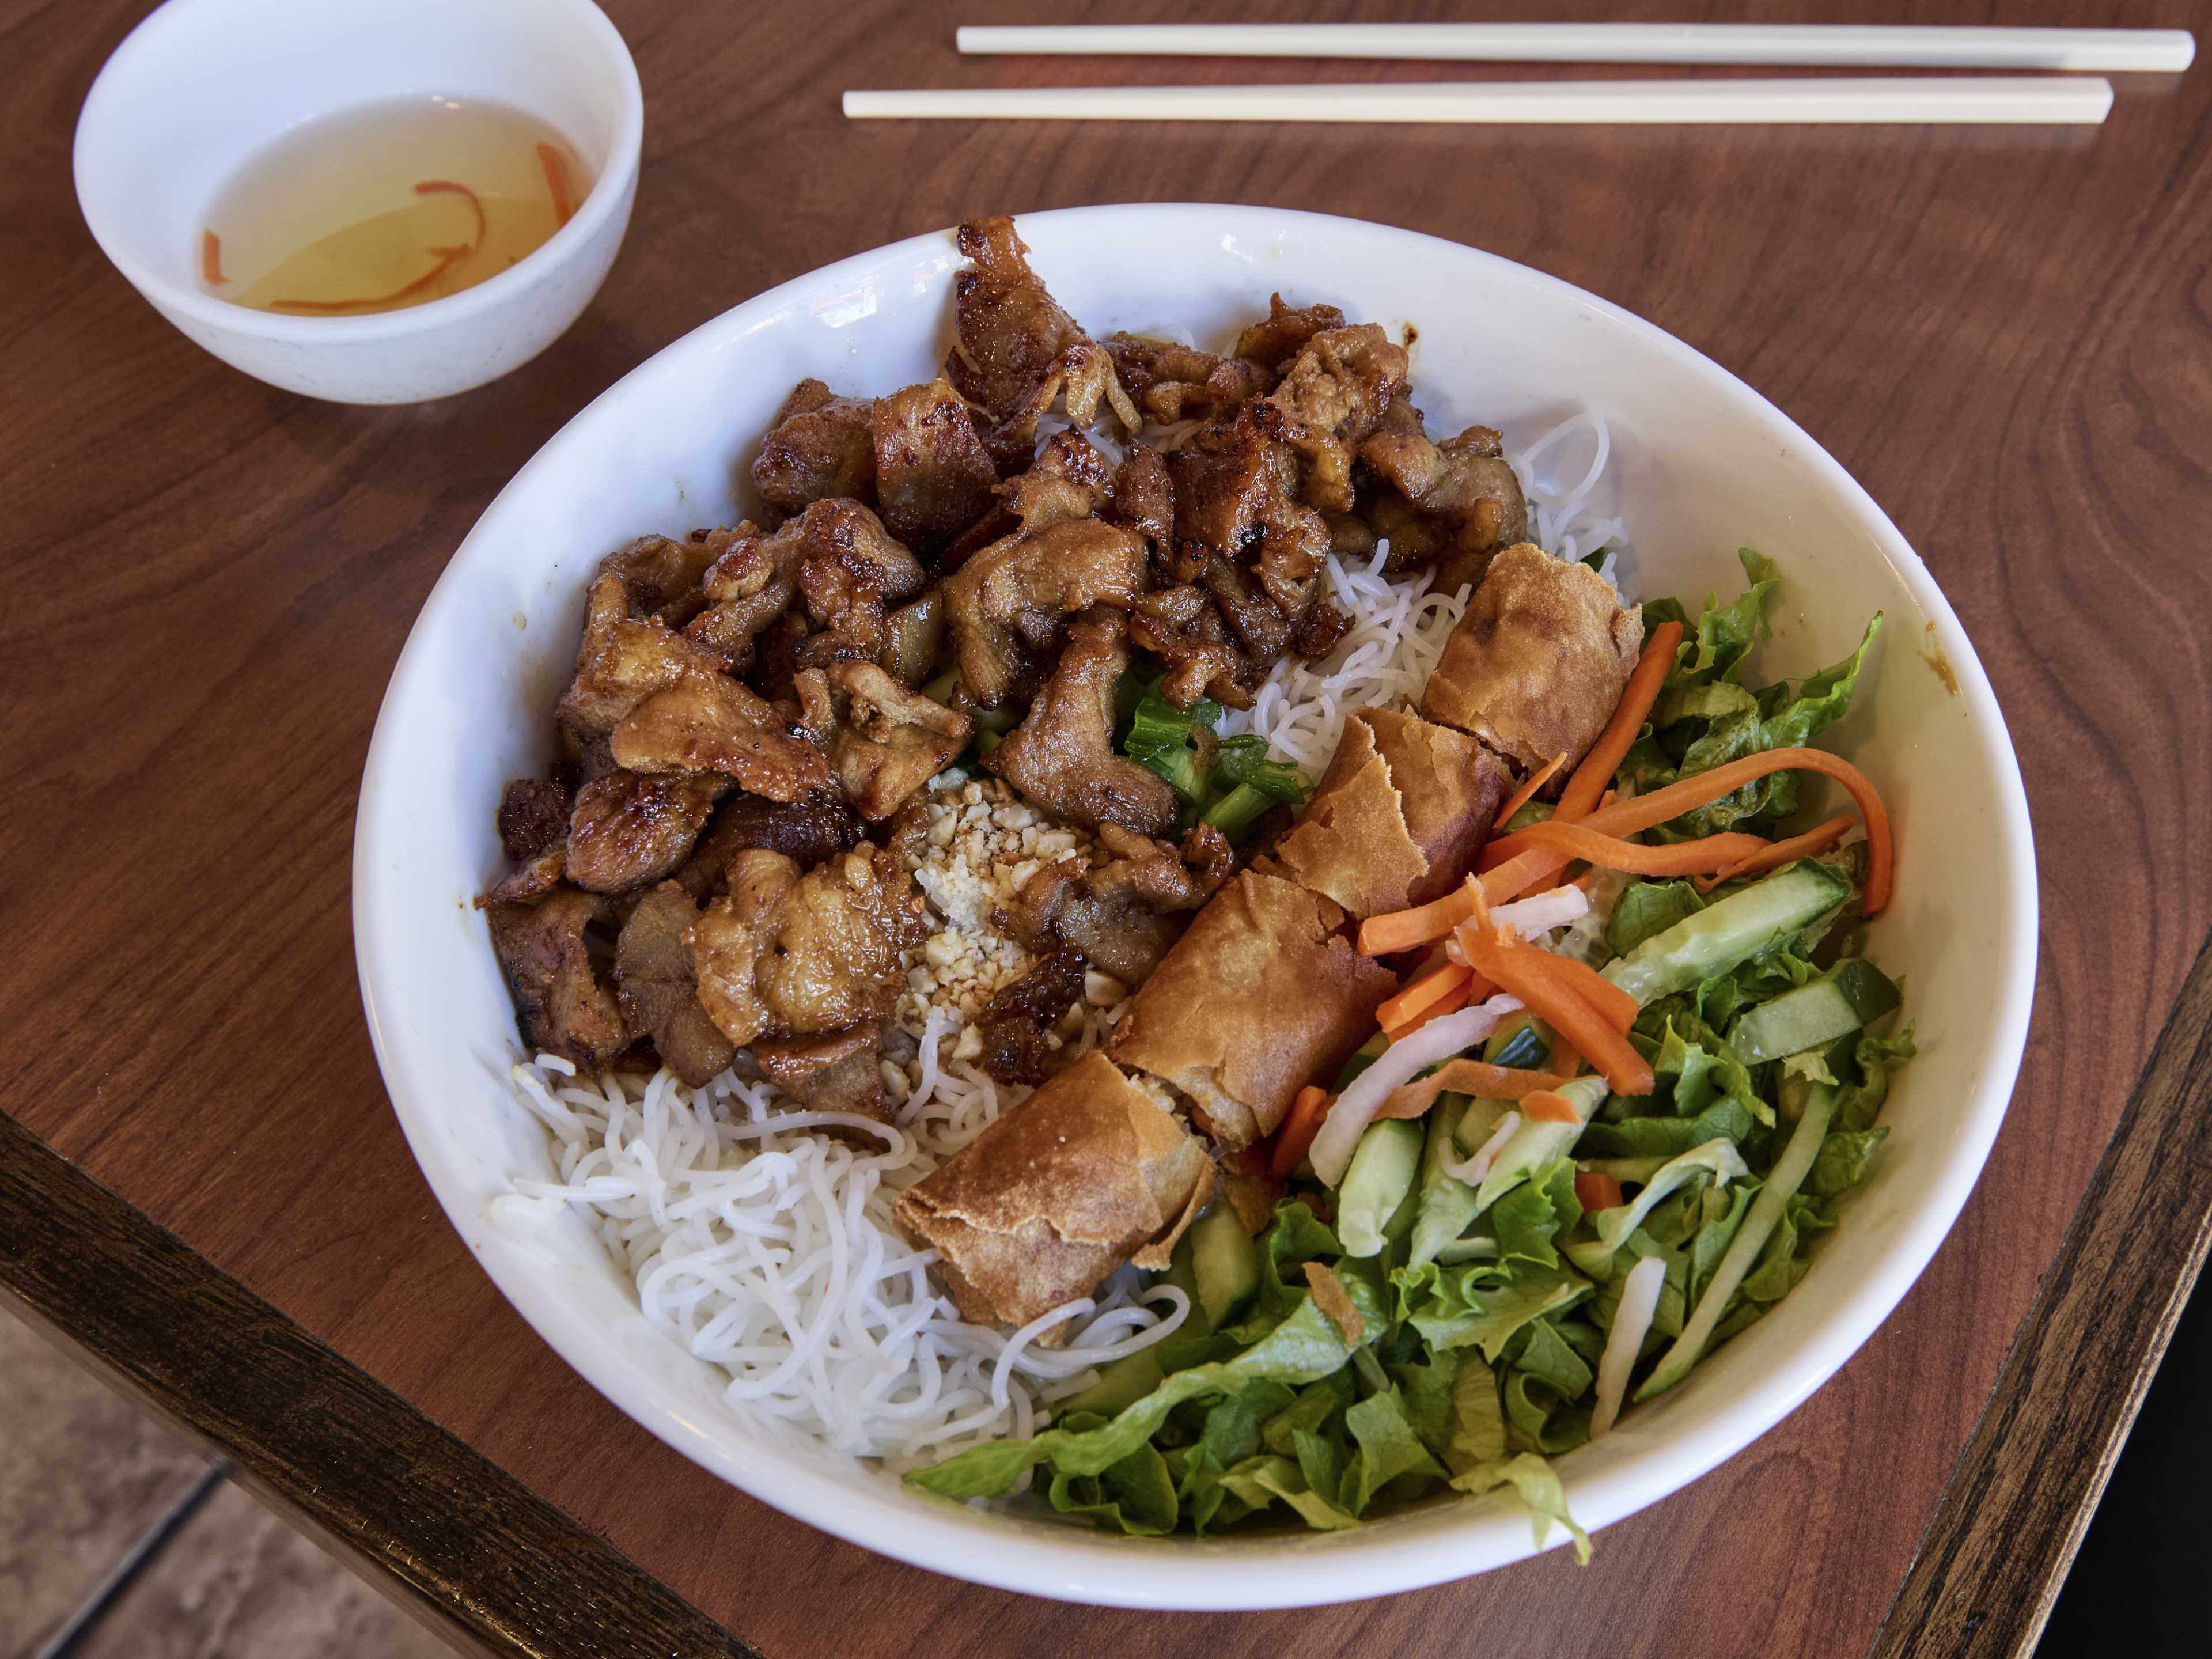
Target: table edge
(1990, 1563)
(335, 1447)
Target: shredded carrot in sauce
(447, 258)
(211, 258)
(556, 183)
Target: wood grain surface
(2002, 334)
(1990, 1569)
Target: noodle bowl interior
(956, 902)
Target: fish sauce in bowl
(387, 205)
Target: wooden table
(2006, 335)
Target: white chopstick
(1815, 44)
(1990, 100)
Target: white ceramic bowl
(203, 85)
(1704, 466)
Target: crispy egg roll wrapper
(1263, 995)
(1090, 1171)
(1399, 815)
(1538, 662)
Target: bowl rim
(1183, 1574)
(608, 197)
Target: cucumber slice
(1518, 1041)
(1367, 1054)
(1446, 1202)
(1224, 1261)
(1851, 995)
(1380, 1176)
(1739, 928)
(1124, 1382)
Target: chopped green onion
(1244, 761)
(1237, 812)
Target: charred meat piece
(1183, 626)
(1015, 593)
(624, 660)
(1079, 380)
(1062, 756)
(748, 587)
(662, 574)
(1465, 486)
(1332, 398)
(780, 954)
(1017, 1022)
(890, 741)
(1174, 382)
(533, 814)
(712, 723)
(539, 876)
(821, 446)
(1124, 916)
(848, 566)
(806, 831)
(934, 476)
(629, 829)
(1141, 498)
(1284, 333)
(912, 635)
(660, 985)
(1262, 629)
(1236, 495)
(840, 1072)
(565, 1009)
(1008, 332)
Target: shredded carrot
(447, 258)
(1565, 1063)
(556, 183)
(1450, 1003)
(211, 258)
(1682, 858)
(1606, 754)
(1549, 1107)
(1465, 1077)
(1774, 854)
(1421, 995)
(1537, 780)
(1597, 1191)
(1530, 863)
(1529, 974)
(1425, 924)
(1300, 1125)
(1611, 1004)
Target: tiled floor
(120, 1540)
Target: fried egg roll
(1262, 996)
(1539, 660)
(1091, 1170)
(1399, 815)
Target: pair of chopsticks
(2074, 98)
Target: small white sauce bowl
(201, 86)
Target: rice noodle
(768, 1250)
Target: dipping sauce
(388, 205)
